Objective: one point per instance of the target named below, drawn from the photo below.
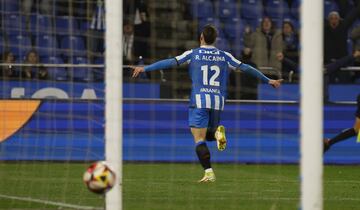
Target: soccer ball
(99, 178)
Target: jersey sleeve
(185, 57)
(163, 64)
(254, 72)
(236, 64)
(232, 62)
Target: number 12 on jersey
(213, 80)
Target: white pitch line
(53, 203)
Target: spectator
(128, 47)
(355, 37)
(9, 71)
(265, 43)
(335, 40)
(34, 71)
(75, 8)
(330, 69)
(290, 50)
(95, 37)
(136, 13)
(45, 7)
(128, 44)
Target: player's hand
(275, 83)
(137, 70)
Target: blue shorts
(357, 113)
(204, 118)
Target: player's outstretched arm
(275, 83)
(163, 64)
(256, 73)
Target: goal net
(52, 102)
(60, 112)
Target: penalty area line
(53, 203)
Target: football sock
(210, 135)
(345, 134)
(203, 154)
(209, 170)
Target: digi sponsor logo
(14, 114)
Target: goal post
(311, 105)
(113, 98)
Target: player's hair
(209, 33)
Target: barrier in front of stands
(156, 130)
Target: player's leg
(357, 114)
(347, 133)
(357, 128)
(342, 136)
(203, 153)
(216, 131)
(198, 120)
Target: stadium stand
(227, 9)
(276, 9)
(46, 45)
(62, 35)
(330, 5)
(251, 9)
(202, 9)
(66, 25)
(98, 72)
(56, 73)
(20, 45)
(15, 24)
(73, 45)
(40, 24)
(82, 74)
(295, 9)
(11, 5)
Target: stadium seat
(83, 74)
(46, 45)
(66, 25)
(329, 6)
(99, 73)
(2, 45)
(227, 9)
(294, 21)
(10, 6)
(202, 9)
(236, 46)
(349, 46)
(222, 44)
(234, 28)
(251, 9)
(253, 23)
(295, 9)
(277, 22)
(73, 46)
(20, 45)
(15, 23)
(55, 73)
(40, 23)
(83, 26)
(276, 9)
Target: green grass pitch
(173, 186)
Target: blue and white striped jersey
(208, 70)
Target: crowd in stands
(52, 32)
(264, 33)
(270, 30)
